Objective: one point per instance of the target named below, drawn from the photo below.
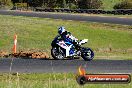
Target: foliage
(127, 4)
(89, 4)
(109, 4)
(73, 4)
(47, 3)
(5, 2)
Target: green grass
(49, 80)
(37, 33)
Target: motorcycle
(60, 48)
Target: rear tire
(57, 53)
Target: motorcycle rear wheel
(57, 53)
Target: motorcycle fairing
(65, 46)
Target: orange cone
(15, 44)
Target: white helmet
(61, 30)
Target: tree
(71, 4)
(64, 4)
(5, 2)
(127, 4)
(48, 3)
(43, 3)
(89, 4)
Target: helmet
(61, 30)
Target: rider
(67, 37)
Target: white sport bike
(61, 49)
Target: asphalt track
(40, 66)
(113, 20)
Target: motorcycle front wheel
(87, 54)
(57, 53)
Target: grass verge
(37, 33)
(49, 80)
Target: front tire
(57, 53)
(87, 54)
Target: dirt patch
(4, 54)
(26, 54)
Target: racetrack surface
(40, 66)
(113, 20)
